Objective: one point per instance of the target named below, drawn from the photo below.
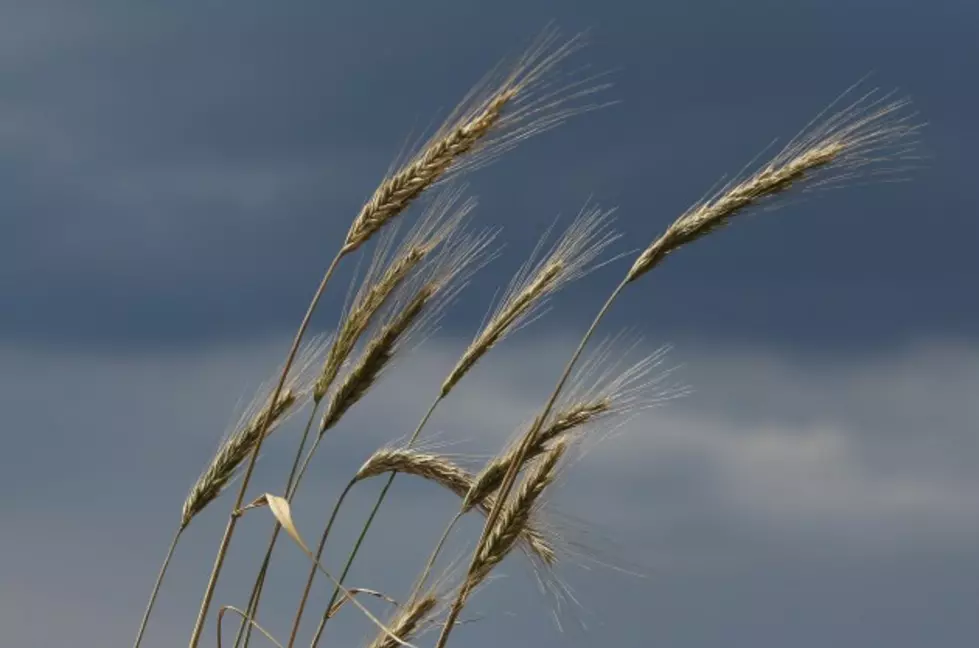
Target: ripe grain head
(515, 515)
(417, 308)
(238, 445)
(864, 139)
(388, 272)
(535, 540)
(573, 256)
(493, 117)
(408, 620)
(604, 387)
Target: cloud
(814, 469)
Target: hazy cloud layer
(790, 500)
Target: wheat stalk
(600, 389)
(449, 272)
(572, 257)
(483, 126)
(232, 452)
(404, 293)
(452, 149)
(865, 134)
(387, 274)
(436, 283)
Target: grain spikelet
(375, 357)
(870, 131)
(407, 621)
(485, 124)
(437, 286)
(490, 478)
(571, 257)
(238, 445)
(444, 472)
(387, 273)
(600, 389)
(229, 456)
(515, 515)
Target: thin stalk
(360, 539)
(435, 554)
(319, 554)
(256, 594)
(306, 460)
(156, 587)
(195, 636)
(514, 469)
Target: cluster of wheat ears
(413, 278)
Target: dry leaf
(282, 511)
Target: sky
(174, 178)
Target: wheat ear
(387, 274)
(407, 622)
(454, 148)
(230, 456)
(231, 453)
(515, 516)
(446, 473)
(447, 274)
(600, 389)
(490, 478)
(863, 135)
(484, 125)
(870, 131)
(572, 257)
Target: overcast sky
(175, 176)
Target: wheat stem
(319, 555)
(570, 258)
(377, 354)
(852, 138)
(435, 552)
(157, 585)
(514, 468)
(436, 227)
(363, 532)
(256, 593)
(240, 498)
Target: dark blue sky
(166, 169)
